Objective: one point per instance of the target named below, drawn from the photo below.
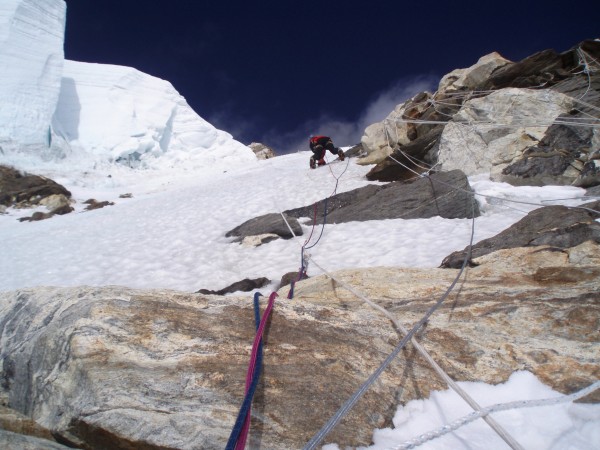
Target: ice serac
(117, 114)
(31, 60)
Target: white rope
(449, 381)
(347, 406)
(287, 223)
(453, 426)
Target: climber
(319, 145)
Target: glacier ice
(93, 114)
(31, 60)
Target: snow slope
(172, 234)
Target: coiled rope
(239, 433)
(455, 425)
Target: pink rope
(241, 442)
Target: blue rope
(322, 229)
(244, 409)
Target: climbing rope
(443, 375)
(239, 433)
(346, 407)
(303, 258)
(453, 426)
(522, 202)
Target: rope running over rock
(346, 407)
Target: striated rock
(269, 224)
(442, 194)
(262, 151)
(162, 369)
(557, 226)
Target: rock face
(444, 194)
(486, 146)
(162, 369)
(262, 151)
(527, 123)
(557, 226)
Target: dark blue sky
(277, 71)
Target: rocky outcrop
(163, 369)
(395, 168)
(556, 226)
(380, 139)
(263, 229)
(527, 123)
(245, 285)
(444, 194)
(472, 78)
(491, 132)
(262, 151)
(25, 190)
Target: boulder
(25, 190)
(269, 224)
(444, 194)
(92, 204)
(124, 368)
(262, 151)
(55, 202)
(472, 77)
(557, 226)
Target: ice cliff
(52, 108)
